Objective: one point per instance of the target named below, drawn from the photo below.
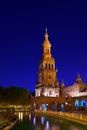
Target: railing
(11, 125)
(73, 116)
(24, 109)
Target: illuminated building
(75, 90)
(47, 84)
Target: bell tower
(47, 84)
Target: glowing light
(66, 103)
(47, 125)
(76, 103)
(42, 120)
(62, 107)
(20, 116)
(29, 116)
(83, 103)
(34, 121)
(44, 107)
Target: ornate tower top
(46, 29)
(47, 75)
(62, 85)
(78, 79)
(46, 34)
(46, 44)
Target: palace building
(76, 90)
(47, 84)
(52, 95)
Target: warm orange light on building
(47, 84)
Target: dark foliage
(14, 95)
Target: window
(46, 65)
(52, 66)
(49, 77)
(47, 51)
(49, 93)
(49, 66)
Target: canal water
(28, 121)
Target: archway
(62, 107)
(83, 103)
(44, 107)
(54, 106)
(77, 104)
(34, 105)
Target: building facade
(76, 90)
(47, 84)
(49, 94)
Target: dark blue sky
(22, 29)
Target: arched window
(49, 66)
(46, 65)
(62, 107)
(52, 66)
(54, 106)
(47, 51)
(77, 103)
(83, 103)
(49, 77)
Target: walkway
(80, 118)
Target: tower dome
(46, 44)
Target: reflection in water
(20, 116)
(42, 120)
(47, 125)
(73, 128)
(34, 121)
(55, 127)
(37, 128)
(30, 117)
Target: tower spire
(46, 44)
(78, 75)
(46, 29)
(78, 79)
(46, 34)
(62, 85)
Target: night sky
(22, 29)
